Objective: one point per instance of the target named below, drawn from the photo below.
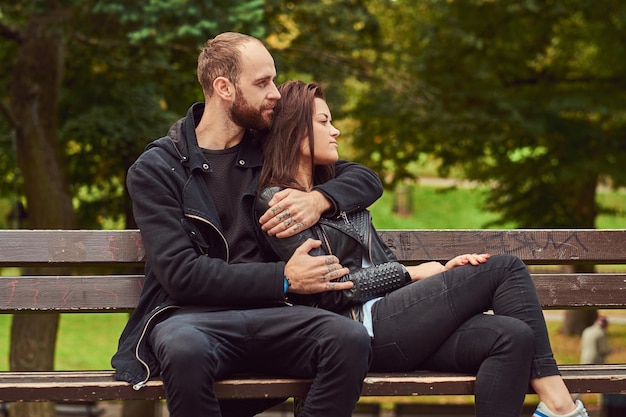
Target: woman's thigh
(411, 322)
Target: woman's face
(324, 136)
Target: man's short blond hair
(221, 57)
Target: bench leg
(298, 403)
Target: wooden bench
(89, 292)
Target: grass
(434, 208)
(85, 341)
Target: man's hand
(313, 274)
(292, 211)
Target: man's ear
(224, 88)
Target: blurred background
(475, 113)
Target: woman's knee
(517, 335)
(507, 260)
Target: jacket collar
(183, 133)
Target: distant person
(428, 316)
(594, 348)
(594, 345)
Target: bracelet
(286, 284)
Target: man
(210, 307)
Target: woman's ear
(224, 88)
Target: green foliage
(129, 72)
(328, 41)
(525, 94)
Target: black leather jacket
(351, 237)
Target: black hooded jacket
(187, 252)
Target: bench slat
(51, 247)
(534, 246)
(70, 293)
(121, 292)
(100, 385)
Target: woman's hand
(473, 259)
(292, 211)
(425, 270)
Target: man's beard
(248, 117)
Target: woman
(429, 316)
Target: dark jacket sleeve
(174, 257)
(355, 187)
(369, 283)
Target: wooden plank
(100, 385)
(121, 292)
(70, 293)
(534, 246)
(50, 247)
(592, 290)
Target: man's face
(255, 94)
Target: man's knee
(179, 345)
(352, 341)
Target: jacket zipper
(143, 383)
(368, 241)
(139, 385)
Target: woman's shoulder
(263, 198)
(266, 194)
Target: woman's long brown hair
(293, 120)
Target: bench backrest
(107, 265)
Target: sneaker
(543, 411)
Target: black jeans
(196, 348)
(440, 324)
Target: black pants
(196, 348)
(439, 324)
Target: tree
(85, 84)
(100, 44)
(527, 96)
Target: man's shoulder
(162, 149)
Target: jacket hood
(181, 141)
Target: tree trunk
(575, 321)
(34, 92)
(583, 212)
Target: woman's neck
(304, 177)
